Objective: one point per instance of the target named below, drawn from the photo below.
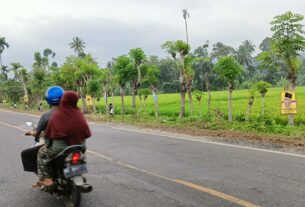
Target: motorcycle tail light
(75, 158)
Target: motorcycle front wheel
(72, 197)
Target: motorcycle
(69, 166)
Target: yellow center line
(181, 182)
(178, 181)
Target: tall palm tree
(244, 53)
(3, 45)
(185, 16)
(20, 74)
(38, 61)
(78, 45)
(220, 50)
(4, 71)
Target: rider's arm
(42, 125)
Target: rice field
(169, 104)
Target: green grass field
(169, 104)
(272, 123)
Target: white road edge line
(186, 139)
(214, 143)
(17, 112)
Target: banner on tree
(289, 103)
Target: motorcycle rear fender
(78, 180)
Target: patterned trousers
(46, 154)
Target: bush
(240, 117)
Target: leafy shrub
(240, 117)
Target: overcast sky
(110, 28)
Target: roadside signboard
(25, 99)
(288, 102)
(89, 100)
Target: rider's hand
(30, 133)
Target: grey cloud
(105, 38)
(230, 22)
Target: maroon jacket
(68, 122)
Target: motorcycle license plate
(75, 170)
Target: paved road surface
(138, 170)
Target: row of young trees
(184, 71)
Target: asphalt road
(138, 170)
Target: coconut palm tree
(20, 75)
(244, 53)
(78, 45)
(3, 45)
(4, 71)
(220, 50)
(186, 15)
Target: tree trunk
(139, 75)
(155, 96)
(230, 111)
(82, 96)
(112, 95)
(106, 102)
(291, 116)
(24, 88)
(183, 88)
(191, 102)
(84, 105)
(187, 35)
(291, 74)
(207, 82)
(202, 78)
(209, 101)
(250, 104)
(182, 104)
(122, 92)
(291, 119)
(263, 105)
(134, 94)
(94, 106)
(141, 103)
(292, 78)
(21, 79)
(144, 102)
(200, 109)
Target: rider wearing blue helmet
(53, 96)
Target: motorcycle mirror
(29, 123)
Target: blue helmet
(53, 95)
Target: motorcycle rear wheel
(72, 198)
